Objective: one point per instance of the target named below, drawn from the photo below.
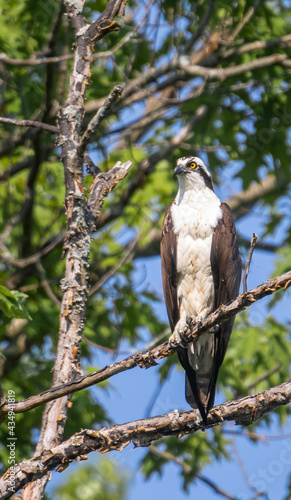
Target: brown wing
(169, 268)
(170, 279)
(226, 268)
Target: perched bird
(201, 269)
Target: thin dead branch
(187, 469)
(249, 258)
(102, 113)
(29, 123)
(115, 268)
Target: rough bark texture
(244, 411)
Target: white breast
(195, 214)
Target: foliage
(11, 303)
(100, 481)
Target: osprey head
(191, 170)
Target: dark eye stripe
(207, 178)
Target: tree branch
(114, 269)
(283, 42)
(223, 73)
(15, 168)
(187, 469)
(249, 258)
(240, 203)
(30, 123)
(102, 113)
(147, 359)
(198, 32)
(32, 259)
(245, 19)
(143, 432)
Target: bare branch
(34, 61)
(101, 187)
(283, 42)
(198, 32)
(223, 73)
(187, 469)
(102, 113)
(15, 168)
(46, 285)
(240, 203)
(115, 268)
(47, 248)
(244, 411)
(147, 359)
(30, 123)
(249, 258)
(105, 22)
(245, 19)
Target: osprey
(201, 269)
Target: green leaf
(11, 303)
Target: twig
(147, 359)
(46, 285)
(282, 42)
(187, 469)
(22, 263)
(35, 61)
(245, 473)
(223, 73)
(257, 437)
(244, 411)
(198, 32)
(16, 168)
(115, 268)
(102, 113)
(260, 245)
(101, 187)
(249, 258)
(245, 19)
(265, 375)
(29, 123)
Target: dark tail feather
(192, 390)
(192, 394)
(215, 370)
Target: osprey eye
(193, 164)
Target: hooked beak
(180, 170)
